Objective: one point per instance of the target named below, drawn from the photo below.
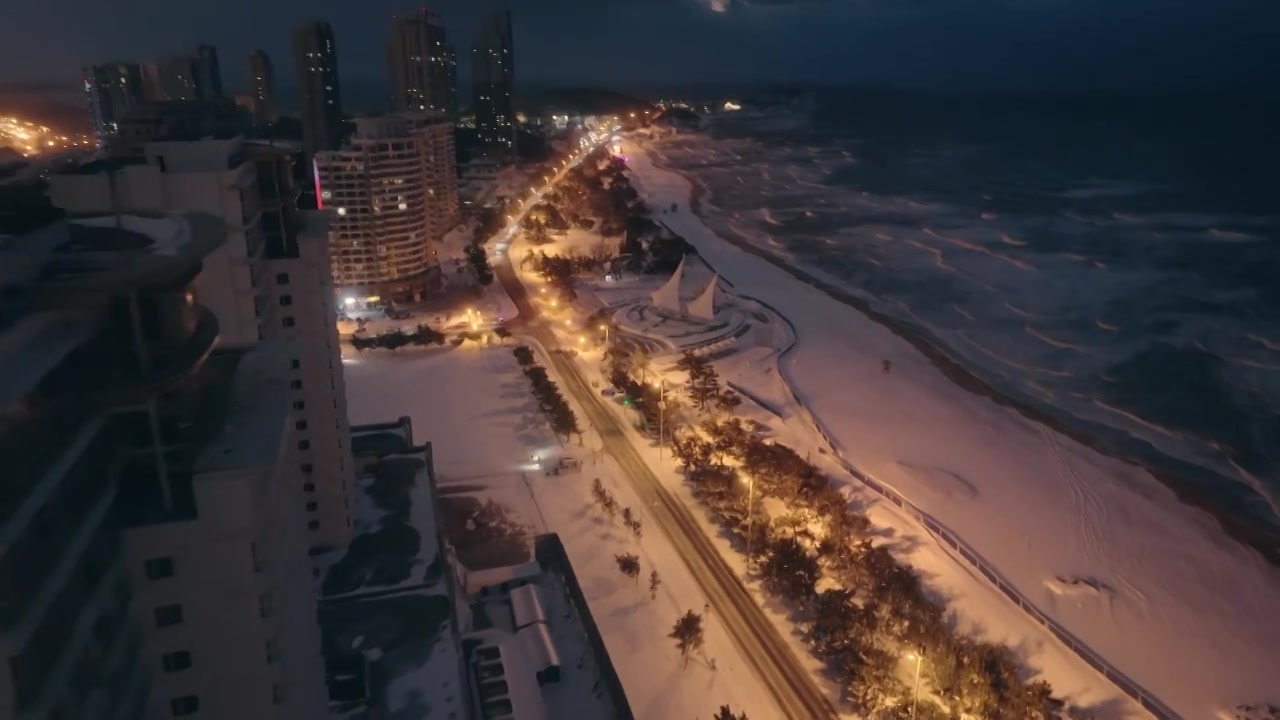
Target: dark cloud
(940, 43)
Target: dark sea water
(1115, 261)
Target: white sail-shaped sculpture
(667, 297)
(704, 306)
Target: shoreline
(1260, 538)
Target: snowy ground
(475, 408)
(982, 610)
(1098, 545)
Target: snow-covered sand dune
(1099, 545)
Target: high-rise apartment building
(452, 55)
(171, 79)
(418, 60)
(184, 77)
(151, 517)
(262, 87)
(493, 77)
(392, 193)
(268, 282)
(209, 77)
(315, 58)
(111, 90)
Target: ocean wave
(1267, 343)
(1233, 236)
(1258, 486)
(1078, 217)
(1010, 362)
(1172, 434)
(1009, 240)
(1020, 312)
(1103, 188)
(936, 253)
(1107, 327)
(1252, 363)
(989, 216)
(767, 217)
(967, 245)
(962, 311)
(1050, 340)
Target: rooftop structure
(392, 615)
(405, 624)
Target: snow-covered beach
(1099, 545)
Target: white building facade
(392, 193)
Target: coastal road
(759, 642)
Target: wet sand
(1190, 483)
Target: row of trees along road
(550, 401)
(872, 615)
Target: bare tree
(654, 582)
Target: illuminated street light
(751, 517)
(918, 655)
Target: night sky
(979, 44)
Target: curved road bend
(754, 635)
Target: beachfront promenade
(754, 635)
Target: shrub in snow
(1251, 712)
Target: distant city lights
(30, 138)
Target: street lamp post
(605, 328)
(751, 516)
(915, 696)
(662, 411)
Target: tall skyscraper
(492, 77)
(315, 57)
(171, 79)
(111, 90)
(393, 194)
(184, 77)
(209, 77)
(176, 582)
(452, 54)
(262, 87)
(418, 60)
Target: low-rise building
(398, 606)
